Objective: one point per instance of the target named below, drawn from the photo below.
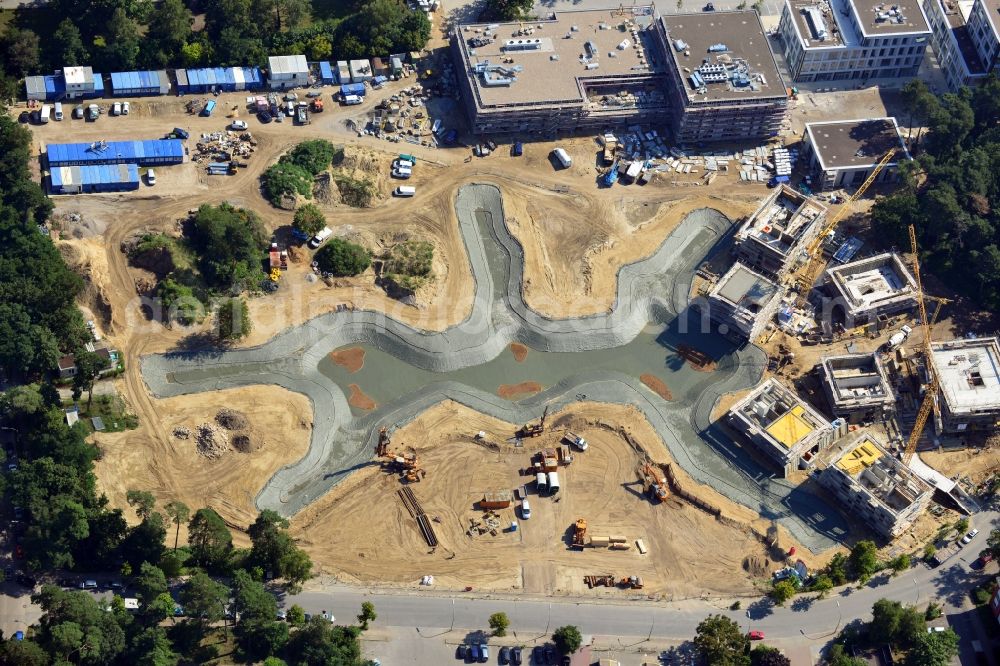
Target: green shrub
(233, 319)
(285, 178)
(314, 156)
(309, 220)
(408, 264)
(343, 258)
(354, 192)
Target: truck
(209, 107)
(302, 115)
(553, 482)
(941, 555)
(577, 441)
(899, 337)
(351, 100)
(318, 239)
(610, 146)
(45, 113)
(563, 158)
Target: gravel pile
(212, 441)
(247, 442)
(230, 419)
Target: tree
(823, 584)
(864, 560)
(567, 639)
(257, 632)
(67, 44)
(319, 642)
(286, 180)
(782, 591)
(314, 156)
(993, 543)
(838, 657)
(144, 542)
(150, 583)
(900, 563)
(764, 655)
(73, 623)
(210, 541)
(233, 319)
(499, 623)
(273, 550)
(142, 501)
(23, 51)
(178, 513)
(88, 368)
(230, 244)
(343, 258)
(296, 616)
(309, 220)
(283, 14)
(508, 10)
(895, 624)
(934, 649)
(204, 600)
(720, 642)
(962, 525)
(122, 42)
(170, 27)
(151, 647)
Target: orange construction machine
(533, 429)
(654, 483)
(580, 532)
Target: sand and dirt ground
(600, 485)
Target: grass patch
(408, 265)
(111, 409)
(355, 192)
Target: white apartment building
(966, 38)
(840, 40)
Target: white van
(402, 164)
(58, 112)
(351, 100)
(318, 239)
(116, 109)
(405, 191)
(402, 172)
(564, 159)
(43, 115)
(525, 509)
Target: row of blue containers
(144, 153)
(94, 178)
(135, 84)
(223, 79)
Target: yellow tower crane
(930, 392)
(807, 274)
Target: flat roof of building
(858, 143)
(779, 412)
(957, 15)
(745, 289)
(897, 17)
(782, 219)
(734, 43)
(968, 373)
(816, 22)
(287, 64)
(868, 283)
(546, 62)
(78, 75)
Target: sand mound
(246, 442)
(230, 419)
(657, 385)
(212, 441)
(520, 351)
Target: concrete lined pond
(602, 357)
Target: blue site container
(326, 73)
(143, 153)
(352, 89)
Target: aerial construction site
(630, 345)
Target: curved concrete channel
(651, 294)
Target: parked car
(970, 536)
(462, 652)
(484, 653)
(151, 177)
(78, 112)
(515, 656)
(125, 108)
(709, 7)
(756, 635)
(314, 93)
(237, 125)
(504, 655)
(282, 615)
(517, 149)
(116, 109)
(93, 112)
(474, 652)
(402, 173)
(264, 117)
(538, 655)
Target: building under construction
(876, 487)
(743, 302)
(787, 430)
(968, 374)
(574, 70)
(710, 75)
(857, 387)
(773, 239)
(874, 287)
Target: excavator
(654, 483)
(533, 429)
(408, 464)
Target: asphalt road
(818, 620)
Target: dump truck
(577, 441)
